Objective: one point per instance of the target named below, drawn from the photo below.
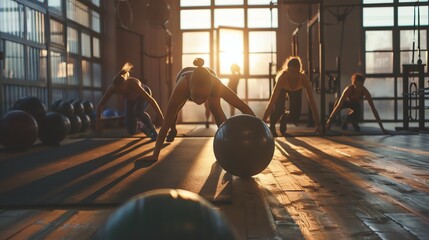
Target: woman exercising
(200, 85)
(292, 79)
(351, 98)
(137, 98)
(233, 82)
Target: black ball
(75, 123)
(65, 108)
(243, 145)
(32, 105)
(54, 105)
(54, 128)
(18, 129)
(166, 214)
(78, 107)
(86, 122)
(88, 107)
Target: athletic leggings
(294, 112)
(136, 110)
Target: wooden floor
(333, 187)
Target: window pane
(377, 1)
(259, 63)
(258, 107)
(229, 17)
(378, 16)
(14, 61)
(259, 2)
(408, 36)
(407, 55)
(96, 73)
(35, 26)
(57, 32)
(229, 58)
(195, 19)
(72, 71)
(55, 5)
(264, 41)
(37, 64)
(374, 38)
(96, 2)
(190, 3)
(86, 73)
(258, 88)
(95, 23)
(406, 16)
(412, 1)
(379, 62)
(72, 40)
(261, 18)
(86, 45)
(58, 68)
(96, 47)
(381, 87)
(78, 12)
(228, 2)
(188, 59)
(196, 42)
(12, 18)
(385, 108)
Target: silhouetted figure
(233, 82)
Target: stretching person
(351, 98)
(137, 98)
(233, 83)
(200, 85)
(292, 79)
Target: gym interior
(63, 178)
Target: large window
(54, 43)
(230, 32)
(392, 37)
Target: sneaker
(171, 135)
(150, 132)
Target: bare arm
(368, 97)
(272, 101)
(230, 97)
(150, 100)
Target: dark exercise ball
(32, 105)
(78, 107)
(243, 145)
(88, 107)
(65, 108)
(75, 124)
(18, 129)
(166, 214)
(54, 105)
(86, 122)
(54, 128)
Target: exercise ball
(88, 107)
(86, 122)
(109, 113)
(75, 124)
(166, 214)
(32, 105)
(18, 129)
(54, 128)
(78, 107)
(54, 105)
(243, 145)
(65, 108)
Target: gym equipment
(108, 113)
(158, 12)
(88, 107)
(54, 128)
(75, 124)
(86, 122)
(78, 107)
(243, 145)
(32, 105)
(65, 108)
(54, 105)
(18, 129)
(166, 214)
